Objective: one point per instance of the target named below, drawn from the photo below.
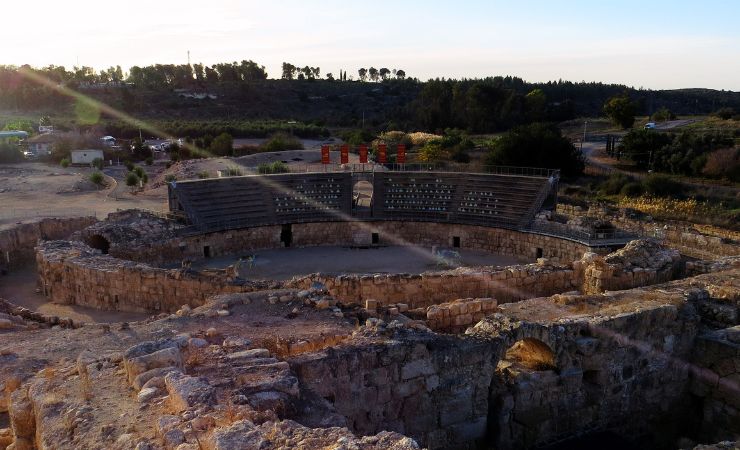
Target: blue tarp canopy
(13, 134)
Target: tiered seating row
(485, 199)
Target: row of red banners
(382, 154)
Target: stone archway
(99, 242)
(362, 197)
(529, 354)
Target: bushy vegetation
(656, 185)
(663, 114)
(685, 153)
(536, 145)
(97, 178)
(689, 209)
(356, 137)
(132, 180)
(281, 141)
(10, 153)
(621, 110)
(64, 162)
(236, 128)
(274, 167)
(723, 163)
(233, 172)
(98, 163)
(453, 146)
(725, 113)
(222, 145)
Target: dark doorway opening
(286, 235)
(375, 238)
(539, 252)
(206, 251)
(99, 242)
(456, 241)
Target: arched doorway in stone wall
(518, 410)
(362, 198)
(99, 242)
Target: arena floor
(284, 263)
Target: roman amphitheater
(355, 309)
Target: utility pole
(188, 57)
(584, 134)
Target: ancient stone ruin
(635, 342)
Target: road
(671, 124)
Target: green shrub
(149, 161)
(281, 141)
(141, 173)
(129, 165)
(275, 167)
(98, 163)
(10, 153)
(233, 172)
(203, 175)
(661, 185)
(614, 184)
(132, 180)
(536, 145)
(632, 189)
(356, 137)
(170, 178)
(725, 113)
(64, 162)
(97, 178)
(222, 145)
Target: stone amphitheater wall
(494, 240)
(75, 273)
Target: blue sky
(651, 44)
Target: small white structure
(108, 141)
(85, 157)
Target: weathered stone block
(417, 368)
(186, 391)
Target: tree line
(292, 72)
(476, 105)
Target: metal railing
(425, 167)
(590, 238)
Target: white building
(85, 157)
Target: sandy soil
(29, 191)
(282, 264)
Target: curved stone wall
(493, 240)
(74, 273)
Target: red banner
(401, 158)
(325, 154)
(344, 151)
(381, 153)
(363, 154)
